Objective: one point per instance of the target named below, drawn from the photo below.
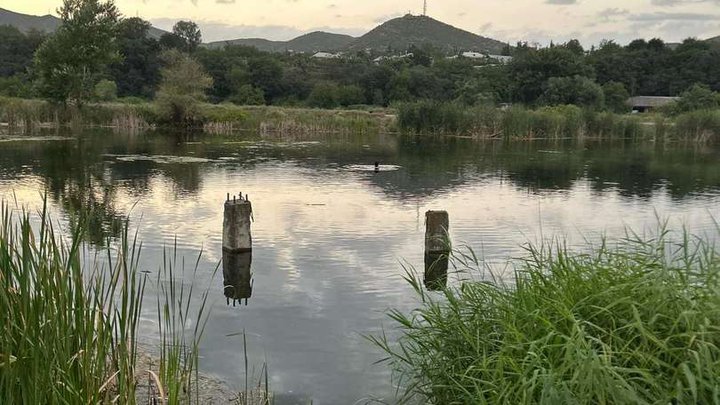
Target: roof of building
(651, 101)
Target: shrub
(105, 90)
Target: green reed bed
(70, 327)
(634, 323)
(518, 122)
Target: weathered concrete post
(437, 237)
(437, 249)
(436, 271)
(237, 276)
(236, 225)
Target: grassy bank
(21, 115)
(634, 323)
(70, 327)
(558, 122)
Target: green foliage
(69, 62)
(16, 86)
(17, 50)
(634, 323)
(697, 97)
(698, 126)
(183, 87)
(105, 90)
(531, 70)
(189, 33)
(138, 73)
(616, 97)
(576, 90)
(248, 95)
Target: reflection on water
(330, 232)
(237, 277)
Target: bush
(616, 97)
(577, 90)
(248, 95)
(105, 90)
(696, 98)
(637, 323)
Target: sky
(535, 21)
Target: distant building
(327, 55)
(642, 104)
(492, 59)
(394, 57)
(501, 58)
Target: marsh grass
(70, 321)
(634, 323)
(70, 328)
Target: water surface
(330, 234)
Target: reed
(638, 322)
(70, 319)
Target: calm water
(330, 234)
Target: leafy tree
(190, 34)
(616, 96)
(324, 95)
(172, 41)
(138, 73)
(69, 63)
(182, 88)
(697, 97)
(248, 95)
(576, 90)
(531, 70)
(17, 50)
(266, 73)
(106, 90)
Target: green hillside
(308, 43)
(46, 23)
(25, 23)
(401, 33)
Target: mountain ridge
(46, 23)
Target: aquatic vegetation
(70, 323)
(633, 323)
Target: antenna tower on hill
(425, 8)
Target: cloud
(561, 2)
(662, 16)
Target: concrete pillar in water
(236, 225)
(437, 237)
(436, 271)
(237, 276)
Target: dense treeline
(131, 66)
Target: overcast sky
(505, 20)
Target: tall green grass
(517, 122)
(636, 323)
(70, 323)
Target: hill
(400, 33)
(25, 23)
(320, 41)
(308, 43)
(46, 23)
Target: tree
(138, 74)
(190, 34)
(248, 95)
(106, 90)
(17, 50)
(616, 96)
(69, 63)
(697, 97)
(182, 88)
(577, 90)
(531, 69)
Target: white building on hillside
(327, 55)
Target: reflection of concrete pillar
(236, 225)
(436, 269)
(437, 238)
(237, 277)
